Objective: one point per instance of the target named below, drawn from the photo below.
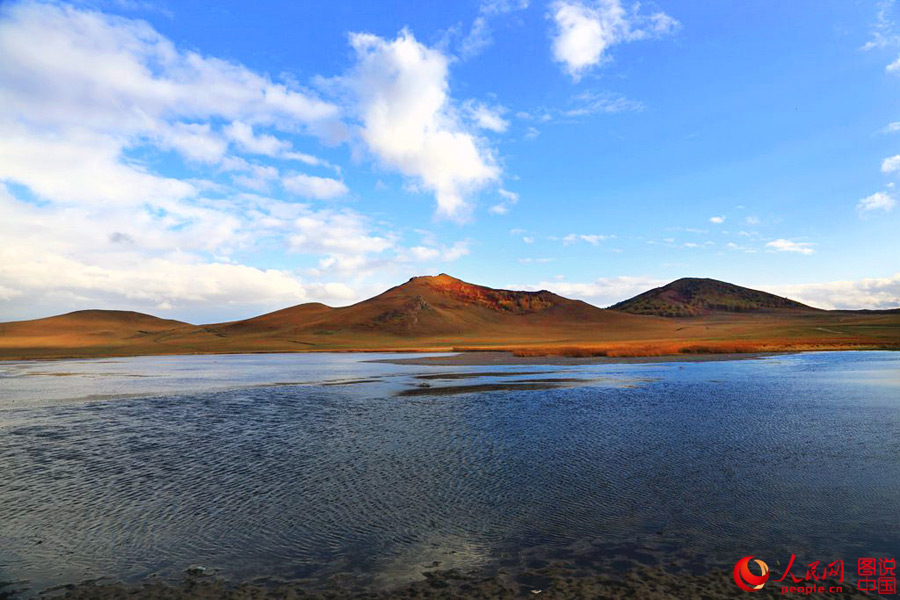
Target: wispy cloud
(480, 34)
(591, 103)
(782, 245)
(883, 201)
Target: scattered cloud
(873, 293)
(408, 121)
(717, 220)
(591, 103)
(878, 201)
(309, 186)
(782, 245)
(585, 31)
(432, 253)
(891, 164)
(535, 261)
(593, 239)
(600, 292)
(486, 117)
(884, 30)
(480, 35)
(242, 134)
(509, 199)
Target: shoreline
(554, 581)
(463, 357)
(504, 358)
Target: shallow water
(293, 466)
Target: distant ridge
(691, 297)
(443, 313)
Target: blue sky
(210, 163)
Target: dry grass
(674, 348)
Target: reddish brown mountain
(691, 297)
(432, 306)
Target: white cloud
(424, 253)
(320, 188)
(593, 239)
(91, 218)
(891, 164)
(535, 261)
(591, 103)
(782, 245)
(884, 30)
(409, 123)
(480, 35)
(586, 30)
(509, 199)
(195, 141)
(486, 117)
(82, 166)
(717, 220)
(342, 235)
(64, 65)
(86, 256)
(247, 140)
(873, 293)
(893, 127)
(528, 239)
(600, 292)
(877, 201)
(242, 134)
(430, 253)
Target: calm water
(310, 465)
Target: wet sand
(552, 582)
(475, 359)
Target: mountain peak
(692, 296)
(439, 279)
(446, 288)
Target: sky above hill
(214, 161)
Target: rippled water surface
(311, 465)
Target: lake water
(293, 466)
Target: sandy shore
(474, 359)
(552, 582)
